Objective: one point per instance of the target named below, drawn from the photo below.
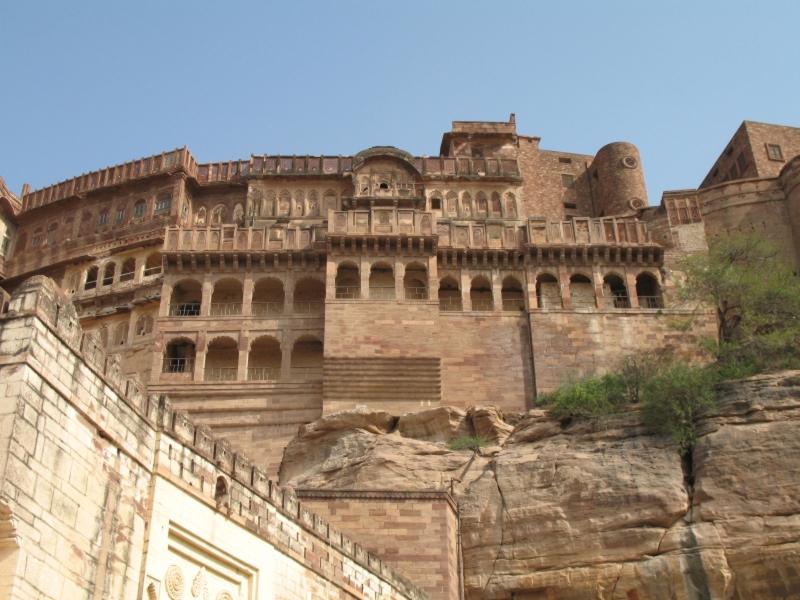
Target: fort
(167, 327)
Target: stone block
(260, 480)
(223, 455)
(242, 469)
(204, 441)
(183, 427)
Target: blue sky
(89, 84)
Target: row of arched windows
(268, 297)
(381, 282)
(89, 223)
(264, 359)
(111, 272)
(482, 205)
(143, 328)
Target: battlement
(46, 359)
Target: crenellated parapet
(65, 371)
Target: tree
(756, 294)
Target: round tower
(618, 179)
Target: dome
(382, 151)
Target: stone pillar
(166, 298)
(330, 277)
(433, 278)
(364, 269)
(158, 357)
(138, 272)
(563, 281)
(530, 287)
(247, 294)
(399, 276)
(600, 300)
(244, 347)
(497, 290)
(286, 356)
(288, 292)
(466, 284)
(630, 282)
(200, 357)
(208, 291)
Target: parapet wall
(100, 485)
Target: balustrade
(416, 293)
(482, 305)
(267, 308)
(450, 304)
(348, 292)
(221, 374)
(308, 308)
(263, 373)
(382, 292)
(178, 365)
(226, 309)
(190, 309)
(651, 302)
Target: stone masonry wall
(578, 344)
(417, 531)
(485, 359)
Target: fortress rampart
(260, 294)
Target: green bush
(591, 397)
(672, 400)
(467, 442)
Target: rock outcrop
(579, 509)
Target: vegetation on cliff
(757, 299)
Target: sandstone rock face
(575, 510)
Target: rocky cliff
(578, 509)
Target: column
(330, 276)
(630, 282)
(399, 276)
(530, 287)
(497, 290)
(158, 357)
(563, 282)
(364, 269)
(247, 294)
(466, 284)
(244, 347)
(288, 292)
(200, 357)
(208, 291)
(597, 277)
(433, 278)
(166, 298)
(286, 356)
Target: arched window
(299, 203)
(91, 279)
(648, 291)
(415, 282)
(329, 200)
(480, 294)
(186, 298)
(102, 218)
(200, 218)
(144, 326)
(221, 491)
(179, 357)
(222, 360)
(219, 214)
(85, 228)
(163, 203)
(226, 300)
(309, 297)
(128, 270)
(37, 237)
(264, 359)
(511, 205)
(348, 282)
(481, 204)
(121, 334)
(451, 204)
(268, 297)
(108, 273)
(307, 359)
(435, 201)
(581, 291)
(497, 208)
(313, 203)
(52, 233)
(138, 209)
(104, 336)
(512, 294)
(284, 203)
(153, 264)
(466, 204)
(548, 292)
(120, 214)
(614, 292)
(381, 282)
(449, 295)
(68, 230)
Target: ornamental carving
(200, 585)
(174, 583)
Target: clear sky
(91, 84)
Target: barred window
(103, 219)
(567, 181)
(774, 152)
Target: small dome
(383, 151)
